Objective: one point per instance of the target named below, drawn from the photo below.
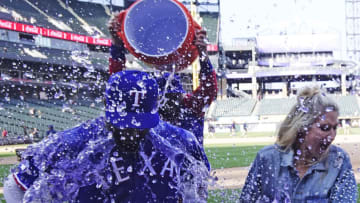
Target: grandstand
(21, 117)
(349, 106)
(40, 114)
(263, 77)
(72, 16)
(234, 107)
(270, 111)
(263, 64)
(53, 64)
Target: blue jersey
(194, 123)
(85, 164)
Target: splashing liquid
(64, 172)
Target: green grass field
(6, 154)
(2, 198)
(340, 131)
(231, 156)
(4, 172)
(238, 134)
(227, 195)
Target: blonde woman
(303, 166)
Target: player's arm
(207, 90)
(117, 58)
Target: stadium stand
(42, 14)
(210, 23)
(76, 17)
(349, 106)
(69, 67)
(233, 107)
(26, 52)
(280, 106)
(238, 107)
(94, 14)
(34, 13)
(20, 11)
(57, 16)
(39, 114)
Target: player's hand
(201, 43)
(114, 26)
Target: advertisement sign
(35, 30)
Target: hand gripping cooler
(159, 33)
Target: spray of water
(62, 172)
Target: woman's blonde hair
(312, 102)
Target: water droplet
(304, 109)
(29, 75)
(98, 186)
(5, 76)
(111, 109)
(140, 83)
(154, 111)
(98, 99)
(109, 178)
(329, 109)
(121, 109)
(134, 122)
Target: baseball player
(180, 109)
(128, 155)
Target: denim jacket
(273, 178)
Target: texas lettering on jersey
(121, 169)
